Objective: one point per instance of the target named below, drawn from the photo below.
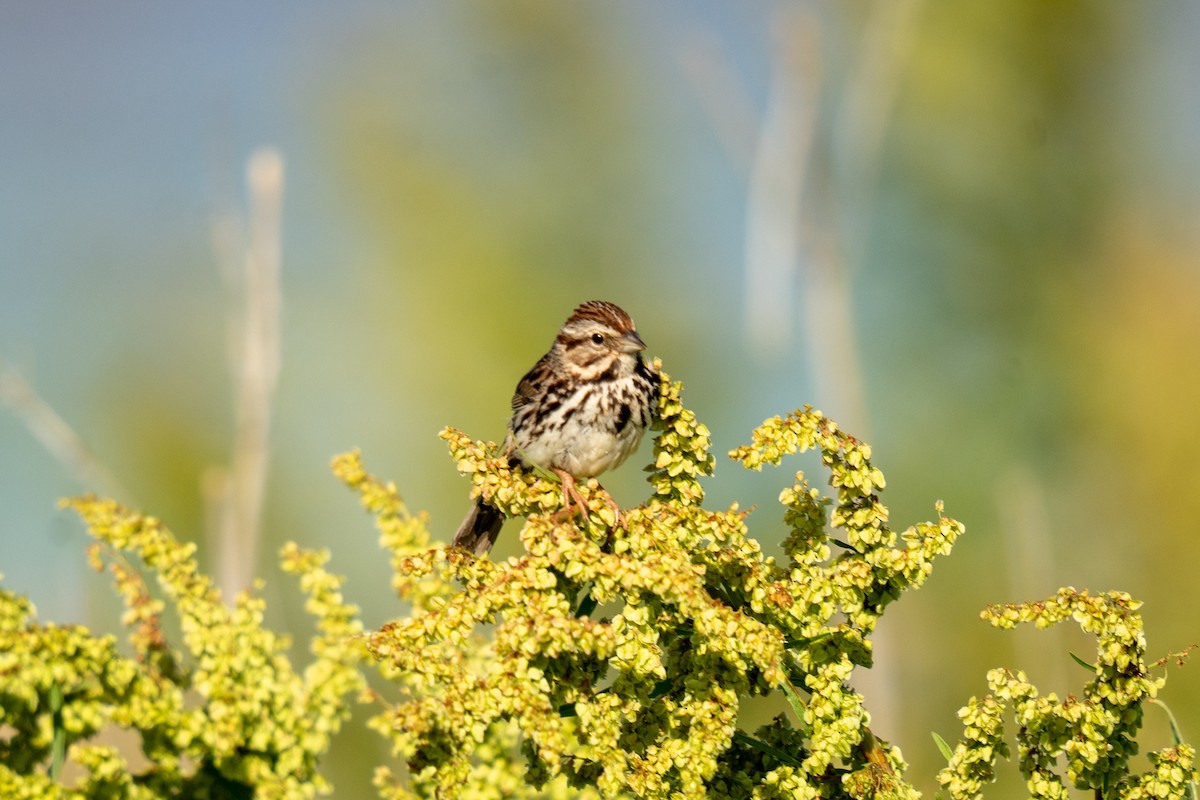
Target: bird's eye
(597, 338)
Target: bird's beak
(632, 343)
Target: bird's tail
(479, 530)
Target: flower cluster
(619, 656)
(1093, 733)
(826, 606)
(224, 715)
(402, 534)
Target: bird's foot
(574, 502)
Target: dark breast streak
(550, 406)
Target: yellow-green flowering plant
(222, 714)
(609, 659)
(1094, 734)
(617, 656)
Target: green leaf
(58, 746)
(942, 746)
(1176, 736)
(1082, 663)
(801, 642)
(763, 747)
(587, 603)
(795, 701)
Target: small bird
(580, 411)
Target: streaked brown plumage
(579, 412)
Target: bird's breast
(586, 431)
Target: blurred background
(968, 232)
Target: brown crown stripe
(603, 312)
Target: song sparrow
(580, 411)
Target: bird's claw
(574, 502)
